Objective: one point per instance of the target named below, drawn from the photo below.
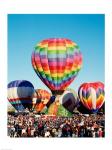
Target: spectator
(29, 125)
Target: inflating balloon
(20, 94)
(62, 111)
(52, 99)
(53, 109)
(57, 62)
(69, 99)
(92, 95)
(40, 99)
(57, 109)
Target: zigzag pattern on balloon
(92, 95)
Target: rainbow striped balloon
(92, 95)
(57, 62)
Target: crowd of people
(31, 125)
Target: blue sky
(25, 31)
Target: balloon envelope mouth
(94, 111)
(57, 92)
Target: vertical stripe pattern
(92, 95)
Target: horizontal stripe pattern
(57, 62)
(20, 94)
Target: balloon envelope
(52, 99)
(69, 100)
(92, 95)
(20, 94)
(57, 62)
(40, 99)
(53, 109)
(57, 109)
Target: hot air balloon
(69, 99)
(92, 95)
(20, 94)
(40, 99)
(53, 108)
(57, 109)
(52, 99)
(57, 62)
